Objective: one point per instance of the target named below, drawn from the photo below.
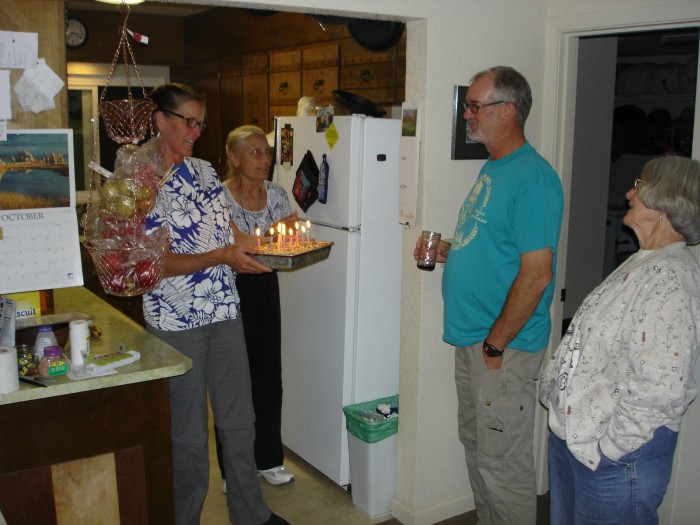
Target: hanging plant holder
(129, 259)
(126, 121)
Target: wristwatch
(491, 350)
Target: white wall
(448, 41)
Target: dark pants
(262, 320)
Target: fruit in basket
(147, 273)
(113, 262)
(145, 199)
(128, 198)
(118, 282)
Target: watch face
(76, 33)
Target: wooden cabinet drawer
(285, 61)
(320, 83)
(379, 75)
(320, 57)
(285, 88)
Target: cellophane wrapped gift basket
(128, 259)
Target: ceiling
(646, 44)
(147, 8)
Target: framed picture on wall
(462, 147)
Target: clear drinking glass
(428, 250)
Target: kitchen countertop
(158, 359)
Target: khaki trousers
(496, 416)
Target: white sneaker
(223, 487)
(276, 476)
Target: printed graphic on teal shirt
(472, 210)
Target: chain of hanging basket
(126, 121)
(131, 269)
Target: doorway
(635, 95)
(561, 76)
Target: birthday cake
(292, 255)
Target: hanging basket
(126, 272)
(127, 121)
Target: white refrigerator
(341, 316)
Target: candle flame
(257, 232)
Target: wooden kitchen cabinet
(231, 98)
(319, 77)
(255, 91)
(285, 79)
(369, 74)
(206, 81)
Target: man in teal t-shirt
(497, 288)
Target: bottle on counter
(54, 363)
(79, 341)
(25, 360)
(44, 338)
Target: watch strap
(491, 351)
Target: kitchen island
(95, 450)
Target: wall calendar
(39, 241)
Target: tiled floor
(311, 499)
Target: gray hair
(511, 86)
(306, 107)
(235, 141)
(672, 185)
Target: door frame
(560, 77)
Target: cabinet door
(208, 146)
(319, 77)
(320, 84)
(255, 100)
(231, 96)
(255, 92)
(285, 78)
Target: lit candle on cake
(279, 236)
(296, 228)
(308, 231)
(257, 234)
(303, 234)
(291, 238)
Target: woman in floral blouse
(622, 377)
(195, 309)
(258, 204)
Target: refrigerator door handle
(351, 229)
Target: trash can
(372, 446)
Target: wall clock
(76, 33)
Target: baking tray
(294, 262)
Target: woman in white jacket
(622, 377)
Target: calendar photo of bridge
(36, 169)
